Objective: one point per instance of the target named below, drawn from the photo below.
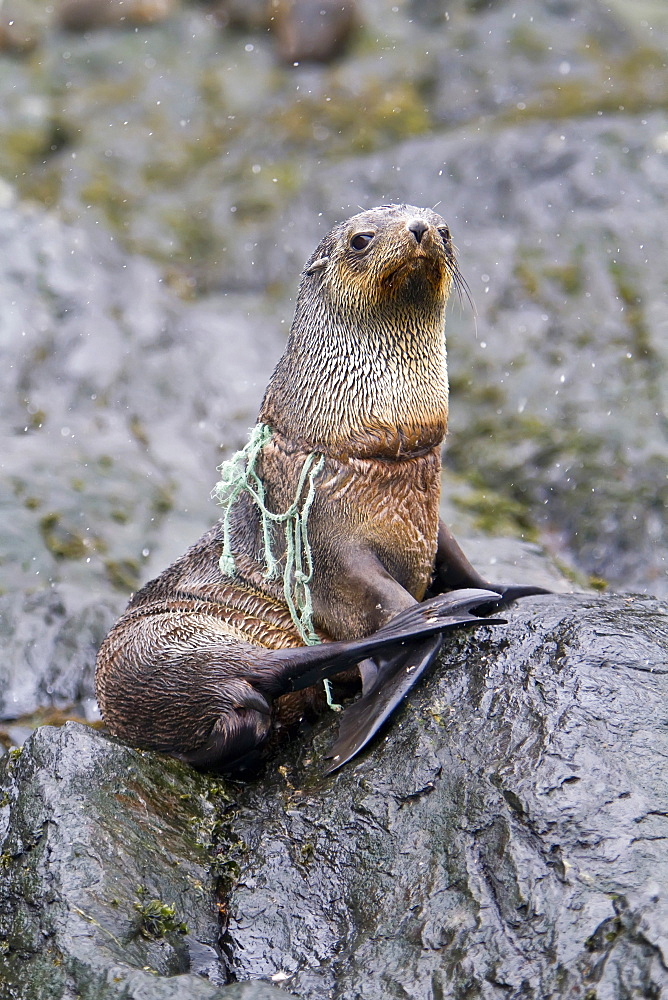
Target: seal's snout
(418, 228)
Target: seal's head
(383, 257)
(364, 370)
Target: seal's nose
(418, 228)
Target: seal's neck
(376, 388)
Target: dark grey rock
(48, 652)
(504, 836)
(92, 833)
(507, 837)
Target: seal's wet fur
(201, 665)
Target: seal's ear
(317, 265)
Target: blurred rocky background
(166, 167)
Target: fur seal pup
(331, 538)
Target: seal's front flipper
(361, 721)
(512, 592)
(452, 570)
(508, 595)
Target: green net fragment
(239, 475)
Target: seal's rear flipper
(402, 650)
(299, 667)
(389, 677)
(360, 723)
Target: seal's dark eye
(361, 240)
(445, 235)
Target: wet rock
(49, 643)
(118, 399)
(313, 32)
(506, 837)
(107, 888)
(109, 884)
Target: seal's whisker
(459, 282)
(463, 289)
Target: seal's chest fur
(389, 507)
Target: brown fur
(362, 382)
